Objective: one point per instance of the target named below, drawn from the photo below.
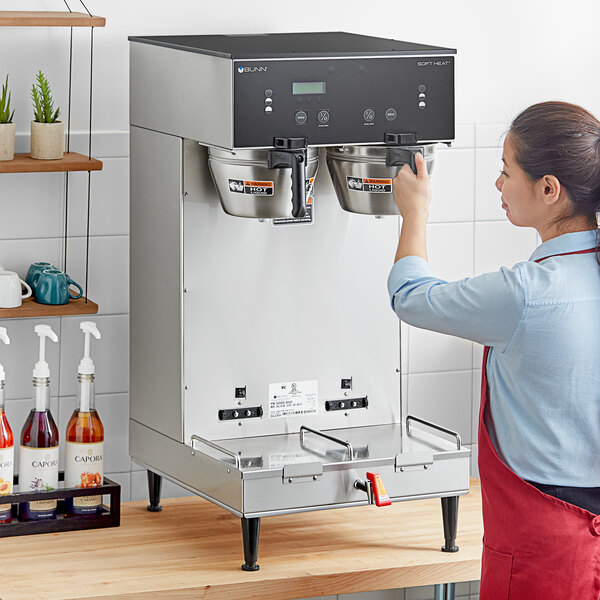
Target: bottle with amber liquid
(85, 437)
(7, 446)
(38, 456)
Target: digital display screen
(308, 87)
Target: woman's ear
(548, 189)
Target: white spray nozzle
(86, 366)
(41, 368)
(3, 338)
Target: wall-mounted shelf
(30, 308)
(71, 161)
(10, 18)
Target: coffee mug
(11, 293)
(53, 287)
(34, 272)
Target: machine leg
(443, 591)
(250, 535)
(154, 485)
(450, 516)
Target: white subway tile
(404, 347)
(474, 457)
(453, 192)
(124, 480)
(378, 595)
(464, 136)
(429, 351)
(502, 244)
(21, 355)
(488, 204)
(450, 249)
(109, 200)
(490, 135)
(17, 412)
(477, 355)
(114, 414)
(17, 255)
(108, 280)
(110, 354)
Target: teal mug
(53, 288)
(34, 272)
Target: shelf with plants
(47, 145)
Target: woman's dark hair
(562, 139)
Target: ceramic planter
(7, 141)
(47, 140)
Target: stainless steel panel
(207, 476)
(360, 162)
(182, 93)
(269, 304)
(155, 275)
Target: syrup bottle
(7, 447)
(85, 436)
(38, 457)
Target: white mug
(11, 293)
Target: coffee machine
(265, 358)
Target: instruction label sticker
(294, 398)
(364, 184)
(253, 188)
(308, 218)
(276, 461)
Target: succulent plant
(43, 103)
(5, 115)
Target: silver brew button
(301, 117)
(421, 96)
(268, 109)
(369, 114)
(391, 114)
(422, 105)
(323, 116)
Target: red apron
(535, 546)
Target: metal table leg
(444, 591)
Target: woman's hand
(412, 193)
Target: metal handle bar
(233, 455)
(348, 445)
(433, 426)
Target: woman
(539, 427)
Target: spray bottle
(38, 470)
(85, 435)
(7, 447)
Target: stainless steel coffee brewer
(265, 359)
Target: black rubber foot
(250, 567)
(450, 518)
(154, 508)
(154, 485)
(450, 549)
(250, 536)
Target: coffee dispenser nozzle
(397, 155)
(290, 153)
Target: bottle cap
(41, 369)
(3, 338)
(86, 366)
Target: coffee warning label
(292, 399)
(252, 188)
(364, 184)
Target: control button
(422, 88)
(422, 105)
(269, 101)
(421, 96)
(268, 93)
(323, 116)
(369, 114)
(391, 114)
(301, 117)
(268, 109)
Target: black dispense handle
(291, 154)
(397, 156)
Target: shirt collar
(568, 242)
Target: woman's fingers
(421, 166)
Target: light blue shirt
(542, 321)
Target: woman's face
(518, 198)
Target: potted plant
(47, 132)
(7, 127)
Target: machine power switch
(379, 492)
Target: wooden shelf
(30, 309)
(14, 18)
(71, 161)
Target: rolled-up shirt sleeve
(486, 309)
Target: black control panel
(333, 101)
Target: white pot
(7, 141)
(47, 140)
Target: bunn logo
(433, 63)
(252, 69)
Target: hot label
(368, 184)
(254, 188)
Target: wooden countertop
(193, 549)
